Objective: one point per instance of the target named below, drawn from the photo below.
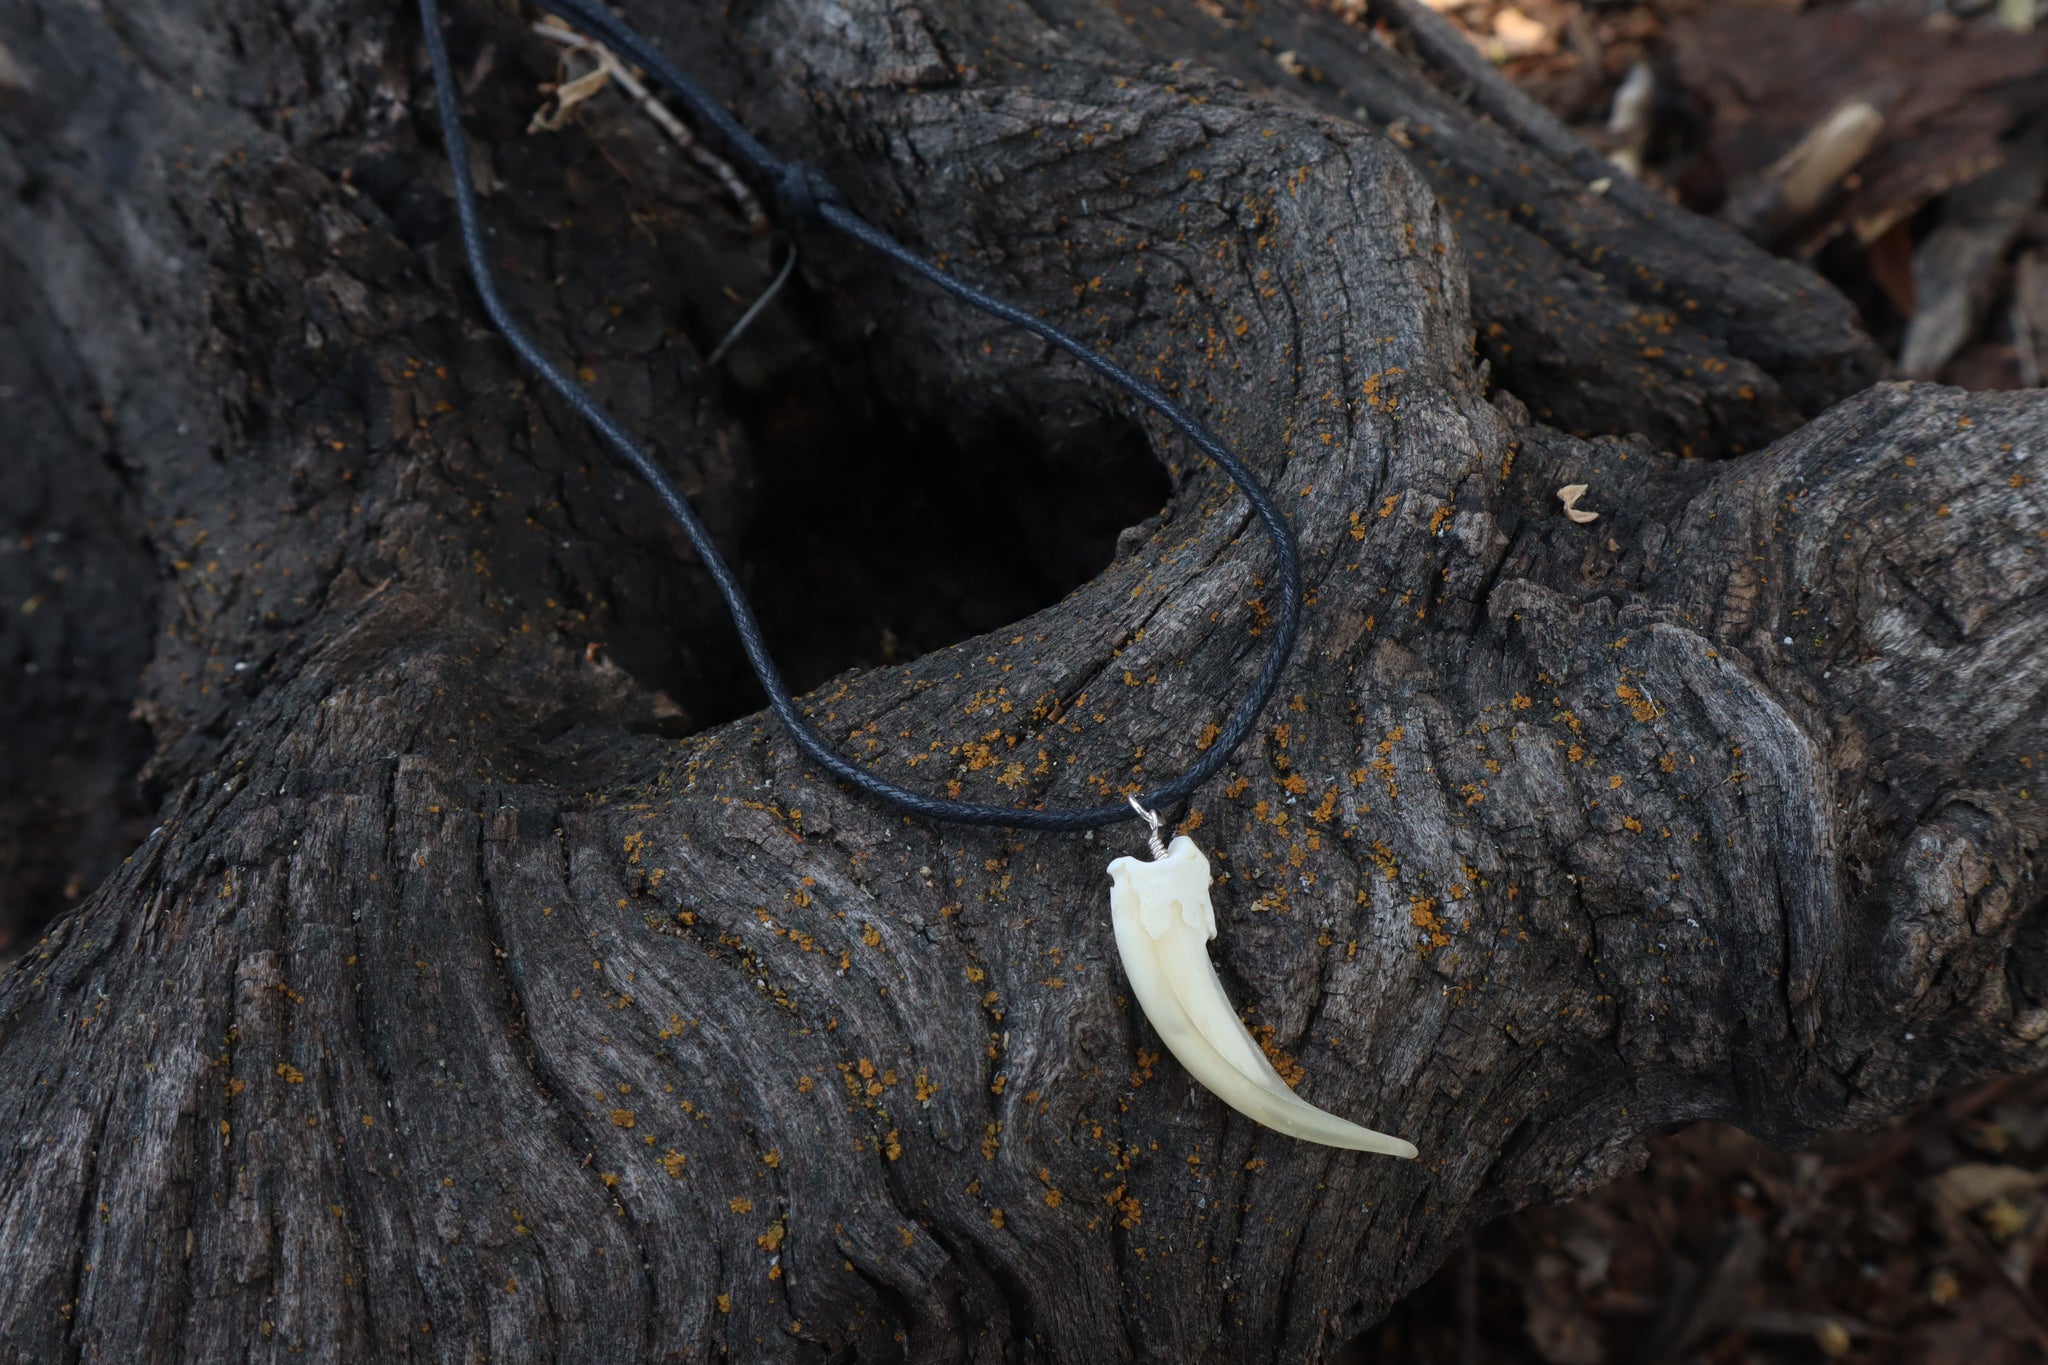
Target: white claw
(1164, 922)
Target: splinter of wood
(1569, 495)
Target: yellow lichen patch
(1423, 910)
(1291, 1071)
(772, 1239)
(740, 1204)
(771, 1159)
(1129, 1212)
(292, 1075)
(622, 1118)
(673, 1164)
(1384, 768)
(1639, 706)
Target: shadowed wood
(476, 999)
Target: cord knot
(801, 190)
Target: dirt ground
(1900, 146)
(1918, 1242)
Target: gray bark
(483, 994)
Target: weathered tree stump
(487, 992)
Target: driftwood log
(490, 985)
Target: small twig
(1980, 1246)
(679, 133)
(1792, 1322)
(2023, 346)
(1628, 120)
(1908, 1136)
(568, 95)
(1468, 1303)
(754, 309)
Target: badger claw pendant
(1164, 922)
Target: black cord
(806, 195)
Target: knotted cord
(805, 197)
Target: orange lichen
(1291, 1071)
(1423, 910)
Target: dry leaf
(567, 97)
(1519, 35)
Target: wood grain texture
(473, 1000)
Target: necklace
(1160, 908)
